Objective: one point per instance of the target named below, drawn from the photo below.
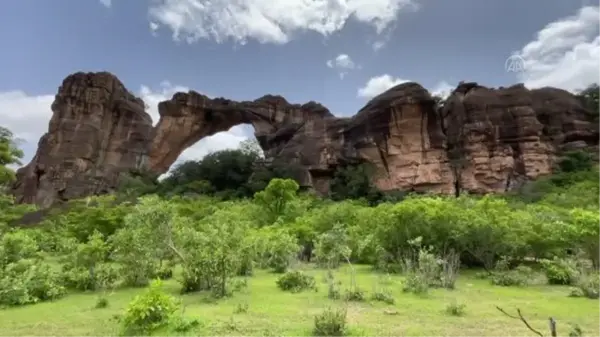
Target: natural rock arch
(482, 140)
(188, 117)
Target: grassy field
(274, 312)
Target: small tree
(10, 154)
(276, 198)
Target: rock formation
(482, 140)
(97, 130)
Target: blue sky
(337, 52)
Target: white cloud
(268, 21)
(342, 63)
(27, 116)
(378, 45)
(378, 84)
(442, 89)
(153, 27)
(106, 3)
(565, 53)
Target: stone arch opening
(233, 138)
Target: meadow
(283, 262)
(264, 310)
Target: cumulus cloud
(565, 53)
(106, 3)
(27, 116)
(442, 89)
(268, 21)
(379, 84)
(342, 63)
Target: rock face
(482, 140)
(98, 130)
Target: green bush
(519, 276)
(455, 309)
(330, 322)
(587, 285)
(29, 281)
(560, 271)
(296, 281)
(149, 311)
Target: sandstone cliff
(482, 140)
(97, 130)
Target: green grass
(274, 312)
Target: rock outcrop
(97, 131)
(482, 140)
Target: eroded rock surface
(98, 130)
(483, 140)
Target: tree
(589, 98)
(353, 182)
(251, 147)
(225, 172)
(276, 198)
(10, 154)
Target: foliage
(28, 281)
(331, 322)
(277, 249)
(504, 276)
(10, 154)
(354, 182)
(574, 161)
(589, 98)
(149, 311)
(85, 266)
(560, 270)
(332, 247)
(209, 255)
(276, 199)
(142, 242)
(456, 309)
(227, 174)
(295, 281)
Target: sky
(340, 53)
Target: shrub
(519, 276)
(281, 252)
(332, 247)
(455, 309)
(354, 294)
(382, 296)
(560, 271)
(102, 276)
(29, 281)
(164, 273)
(101, 302)
(330, 323)
(296, 281)
(149, 311)
(587, 285)
(17, 245)
(416, 284)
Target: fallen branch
(520, 317)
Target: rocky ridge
(482, 140)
